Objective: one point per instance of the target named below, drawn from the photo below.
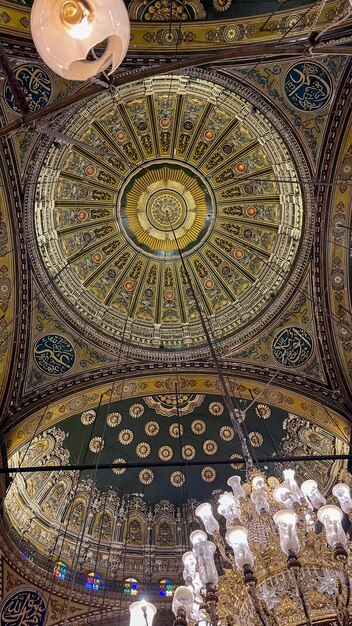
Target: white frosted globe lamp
(197, 536)
(310, 489)
(140, 612)
(235, 483)
(341, 491)
(331, 517)
(282, 495)
(204, 551)
(190, 566)
(286, 522)
(183, 598)
(228, 507)
(206, 515)
(237, 538)
(65, 31)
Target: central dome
(189, 164)
(165, 207)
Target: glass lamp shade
(228, 507)
(197, 536)
(290, 482)
(235, 483)
(286, 522)
(190, 566)
(282, 495)
(140, 609)
(64, 31)
(341, 491)
(237, 538)
(331, 517)
(204, 551)
(184, 597)
(310, 489)
(259, 495)
(206, 515)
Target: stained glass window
(130, 586)
(93, 581)
(60, 570)
(165, 587)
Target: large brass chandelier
(286, 554)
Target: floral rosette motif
(88, 417)
(227, 433)
(119, 470)
(208, 474)
(263, 411)
(165, 453)
(151, 428)
(176, 430)
(256, 439)
(177, 479)
(210, 447)
(240, 464)
(198, 427)
(126, 436)
(114, 419)
(146, 476)
(136, 410)
(96, 444)
(216, 408)
(143, 449)
(188, 452)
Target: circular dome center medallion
(204, 168)
(166, 210)
(165, 207)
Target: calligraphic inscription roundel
(36, 85)
(308, 86)
(23, 607)
(54, 354)
(292, 346)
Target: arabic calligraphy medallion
(54, 354)
(21, 608)
(36, 85)
(308, 86)
(292, 346)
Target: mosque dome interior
(175, 301)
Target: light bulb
(310, 489)
(206, 515)
(235, 483)
(286, 522)
(331, 516)
(140, 609)
(341, 491)
(237, 538)
(65, 31)
(282, 495)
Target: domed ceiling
(190, 165)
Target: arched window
(165, 587)
(130, 586)
(93, 581)
(60, 570)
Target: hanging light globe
(65, 31)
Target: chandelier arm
(296, 572)
(234, 413)
(258, 609)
